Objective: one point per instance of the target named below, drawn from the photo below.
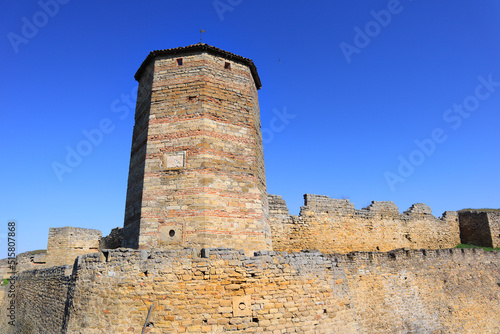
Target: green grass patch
(480, 210)
(474, 246)
(38, 251)
(5, 281)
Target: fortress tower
(196, 176)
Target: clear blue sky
(385, 101)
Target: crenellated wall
(335, 226)
(402, 291)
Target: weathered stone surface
(197, 174)
(66, 243)
(480, 228)
(402, 291)
(335, 226)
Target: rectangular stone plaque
(174, 160)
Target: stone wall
(66, 243)
(196, 176)
(335, 226)
(403, 291)
(113, 240)
(41, 296)
(424, 291)
(224, 292)
(480, 228)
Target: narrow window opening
(106, 255)
(179, 61)
(227, 66)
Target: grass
(474, 246)
(38, 251)
(5, 281)
(480, 210)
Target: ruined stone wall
(494, 221)
(335, 226)
(66, 243)
(224, 292)
(424, 291)
(4, 274)
(402, 291)
(41, 296)
(113, 240)
(480, 228)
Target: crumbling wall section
(480, 228)
(40, 301)
(66, 243)
(335, 226)
(494, 221)
(424, 291)
(113, 240)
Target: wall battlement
(334, 225)
(324, 204)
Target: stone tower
(196, 176)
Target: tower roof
(201, 47)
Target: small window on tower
(227, 66)
(179, 61)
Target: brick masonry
(403, 291)
(335, 226)
(197, 174)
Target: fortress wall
(4, 273)
(113, 240)
(480, 228)
(224, 292)
(425, 291)
(494, 220)
(335, 226)
(41, 296)
(402, 291)
(66, 243)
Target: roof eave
(200, 47)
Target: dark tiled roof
(200, 47)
